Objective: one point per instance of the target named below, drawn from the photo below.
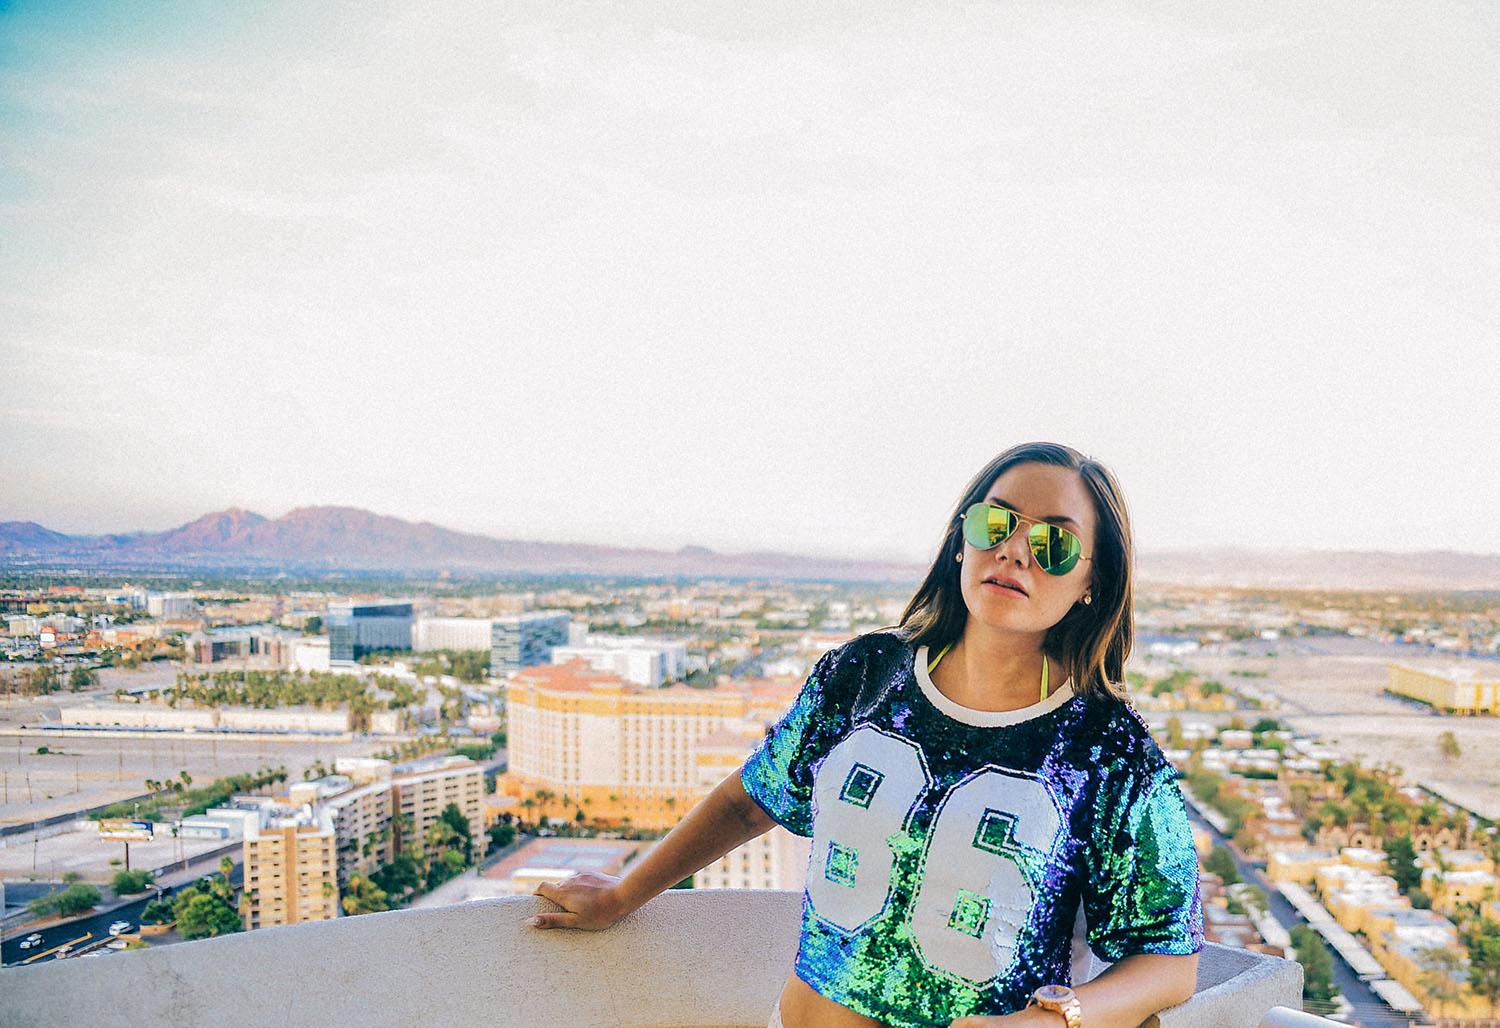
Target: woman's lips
(1009, 585)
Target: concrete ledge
(689, 959)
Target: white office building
(640, 660)
(436, 633)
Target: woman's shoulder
(883, 647)
(1111, 726)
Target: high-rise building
(612, 749)
(355, 629)
(776, 860)
(526, 640)
(171, 606)
(291, 871)
(376, 808)
(422, 789)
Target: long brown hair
(1092, 641)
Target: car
(34, 939)
(118, 927)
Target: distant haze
(346, 539)
(763, 277)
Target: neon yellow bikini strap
(933, 663)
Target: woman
(983, 804)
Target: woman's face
(1003, 587)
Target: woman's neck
(989, 671)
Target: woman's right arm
(726, 818)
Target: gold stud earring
(959, 556)
(1087, 599)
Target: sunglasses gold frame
(1057, 550)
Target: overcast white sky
(752, 275)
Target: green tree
(1448, 746)
(312, 626)
(1401, 862)
(206, 915)
(81, 678)
(76, 899)
(157, 912)
(501, 835)
(1221, 862)
(1483, 941)
(362, 896)
(398, 878)
(128, 883)
(1317, 965)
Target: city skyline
(774, 278)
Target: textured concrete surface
(688, 959)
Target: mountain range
(350, 539)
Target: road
(79, 933)
(1369, 1009)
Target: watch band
(1060, 1000)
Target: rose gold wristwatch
(1060, 1000)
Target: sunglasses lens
(1056, 549)
(986, 527)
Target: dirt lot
(83, 771)
(1335, 689)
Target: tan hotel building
(616, 750)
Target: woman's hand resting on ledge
(590, 901)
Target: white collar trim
(985, 718)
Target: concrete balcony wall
(689, 959)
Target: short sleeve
(1142, 891)
(778, 775)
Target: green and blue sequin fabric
(950, 860)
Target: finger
(563, 920)
(547, 890)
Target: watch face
(1054, 993)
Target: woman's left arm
(1122, 997)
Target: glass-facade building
(526, 640)
(355, 629)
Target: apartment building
(1456, 690)
(420, 790)
(291, 871)
(364, 829)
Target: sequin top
(954, 850)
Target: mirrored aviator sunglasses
(1057, 550)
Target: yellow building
(1458, 690)
(1299, 866)
(586, 741)
(1449, 889)
(420, 790)
(363, 821)
(291, 873)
